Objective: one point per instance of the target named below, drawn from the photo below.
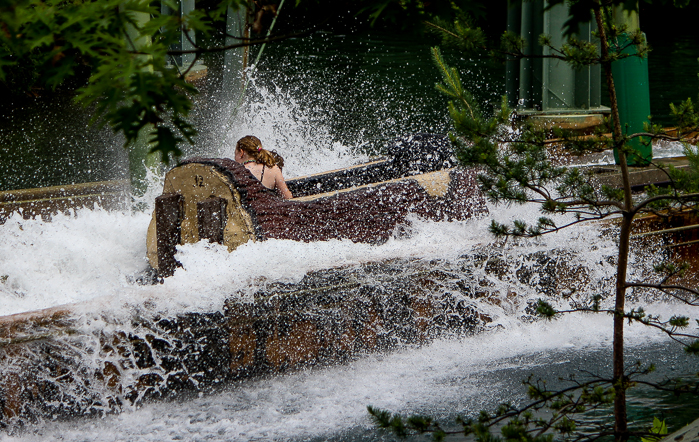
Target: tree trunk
(619, 379)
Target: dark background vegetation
(32, 147)
(660, 23)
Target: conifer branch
(452, 81)
(681, 198)
(441, 29)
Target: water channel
(320, 114)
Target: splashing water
(77, 257)
(93, 258)
(276, 118)
(92, 254)
(463, 375)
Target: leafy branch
(123, 46)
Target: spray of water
(282, 124)
(92, 257)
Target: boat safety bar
(680, 244)
(672, 230)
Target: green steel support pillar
(139, 158)
(545, 89)
(514, 25)
(563, 86)
(558, 82)
(588, 80)
(632, 90)
(186, 37)
(530, 71)
(235, 60)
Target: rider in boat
(262, 164)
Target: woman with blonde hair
(261, 163)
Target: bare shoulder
(279, 182)
(276, 171)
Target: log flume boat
(221, 201)
(84, 359)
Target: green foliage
(685, 181)
(580, 53)
(692, 348)
(679, 321)
(545, 309)
(550, 414)
(670, 269)
(516, 164)
(452, 87)
(511, 43)
(402, 426)
(409, 14)
(658, 430)
(459, 32)
(129, 83)
(23, 74)
(685, 115)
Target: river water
(95, 256)
(329, 403)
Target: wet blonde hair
(253, 147)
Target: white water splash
(92, 257)
(451, 375)
(300, 137)
(75, 258)
(71, 259)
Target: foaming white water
(446, 377)
(99, 254)
(76, 258)
(93, 254)
(93, 257)
(71, 259)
